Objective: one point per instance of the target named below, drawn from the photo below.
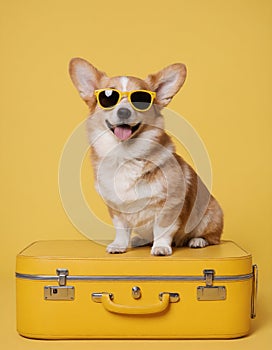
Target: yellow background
(226, 46)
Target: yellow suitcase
(74, 289)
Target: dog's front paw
(198, 242)
(115, 248)
(161, 250)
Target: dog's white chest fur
(124, 188)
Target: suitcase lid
(87, 258)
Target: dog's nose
(123, 113)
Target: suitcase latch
(210, 292)
(60, 292)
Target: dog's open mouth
(123, 131)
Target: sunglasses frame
(128, 95)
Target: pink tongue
(122, 132)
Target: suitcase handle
(107, 301)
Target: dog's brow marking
(124, 82)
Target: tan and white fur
(148, 188)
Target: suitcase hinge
(62, 291)
(210, 292)
(254, 290)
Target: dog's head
(125, 105)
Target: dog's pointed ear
(85, 77)
(167, 82)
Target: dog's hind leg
(163, 237)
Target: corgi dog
(153, 195)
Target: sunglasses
(140, 100)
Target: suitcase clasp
(60, 292)
(209, 276)
(210, 292)
(62, 273)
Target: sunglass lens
(141, 100)
(108, 98)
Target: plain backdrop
(226, 46)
